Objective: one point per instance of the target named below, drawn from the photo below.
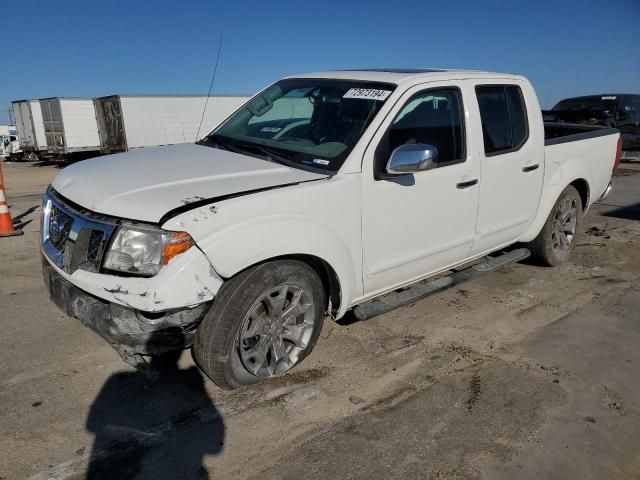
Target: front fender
(242, 245)
(321, 219)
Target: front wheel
(262, 323)
(557, 239)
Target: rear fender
(559, 178)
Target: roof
(173, 95)
(25, 100)
(402, 75)
(64, 98)
(596, 95)
(396, 70)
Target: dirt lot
(525, 373)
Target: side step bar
(424, 288)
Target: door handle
(467, 184)
(530, 168)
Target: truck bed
(555, 133)
(589, 149)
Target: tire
(246, 322)
(549, 246)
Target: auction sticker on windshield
(367, 94)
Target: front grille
(59, 227)
(73, 239)
(94, 250)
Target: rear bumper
(130, 332)
(607, 190)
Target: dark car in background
(621, 111)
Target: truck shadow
(50, 162)
(155, 426)
(630, 212)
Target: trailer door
(37, 125)
(23, 125)
(110, 125)
(53, 128)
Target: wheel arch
(333, 256)
(327, 274)
(329, 277)
(582, 186)
(549, 200)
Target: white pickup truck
(325, 193)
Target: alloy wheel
(564, 225)
(276, 330)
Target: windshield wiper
(226, 145)
(269, 153)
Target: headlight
(142, 250)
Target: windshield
(305, 123)
(605, 103)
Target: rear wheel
(557, 239)
(262, 323)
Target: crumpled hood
(145, 184)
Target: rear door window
(504, 118)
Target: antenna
(213, 77)
(546, 100)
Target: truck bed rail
(556, 133)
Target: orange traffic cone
(6, 224)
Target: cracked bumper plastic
(189, 279)
(130, 331)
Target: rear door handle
(467, 184)
(530, 168)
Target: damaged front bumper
(130, 332)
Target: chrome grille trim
(73, 239)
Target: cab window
(433, 117)
(504, 118)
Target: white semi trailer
(127, 122)
(70, 126)
(30, 128)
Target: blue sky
(93, 48)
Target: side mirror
(410, 158)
